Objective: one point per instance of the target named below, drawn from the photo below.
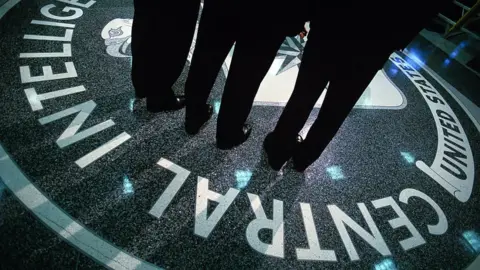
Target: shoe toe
(299, 139)
(181, 101)
(226, 143)
(194, 124)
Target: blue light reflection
(243, 177)
(409, 158)
(127, 185)
(387, 264)
(335, 172)
(216, 107)
(471, 241)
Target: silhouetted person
(257, 28)
(349, 61)
(162, 34)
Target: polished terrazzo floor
(131, 190)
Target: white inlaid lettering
(453, 167)
(77, 13)
(36, 99)
(402, 220)
(70, 135)
(49, 23)
(167, 196)
(203, 224)
(276, 248)
(442, 225)
(314, 252)
(67, 52)
(48, 75)
(66, 38)
(102, 150)
(375, 239)
(77, 3)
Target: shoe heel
(195, 123)
(276, 159)
(276, 163)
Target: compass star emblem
(292, 51)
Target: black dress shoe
(301, 164)
(303, 157)
(155, 106)
(195, 123)
(278, 153)
(140, 95)
(231, 142)
(135, 104)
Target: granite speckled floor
(372, 157)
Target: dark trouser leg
(344, 91)
(156, 66)
(140, 52)
(178, 30)
(315, 71)
(251, 61)
(214, 41)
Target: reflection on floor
(92, 180)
